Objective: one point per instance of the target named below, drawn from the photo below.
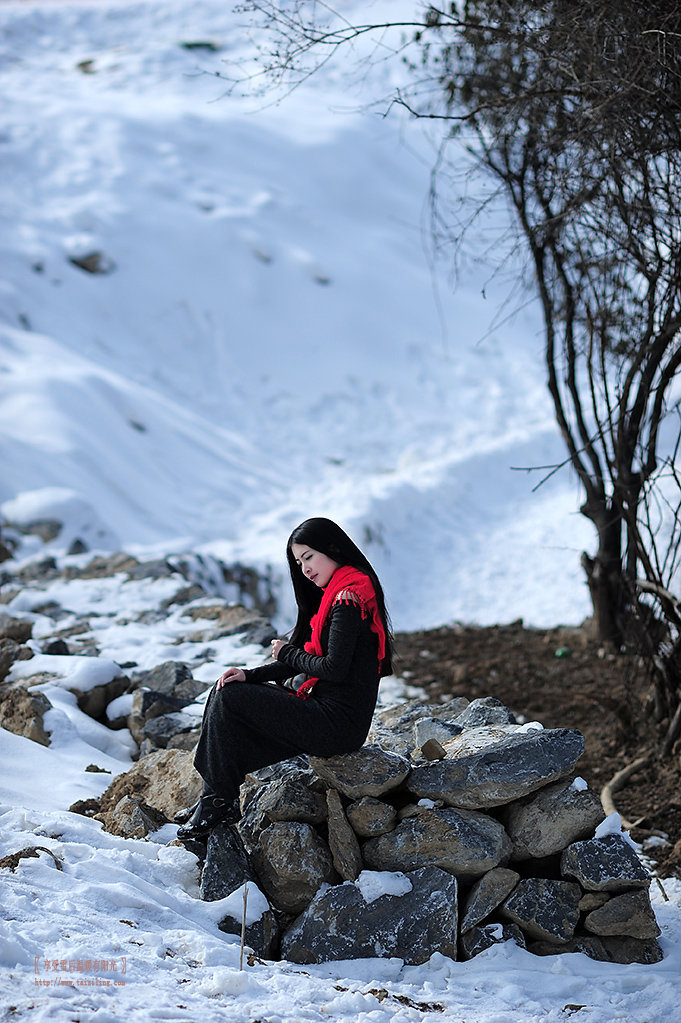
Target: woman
(341, 645)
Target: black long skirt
(249, 725)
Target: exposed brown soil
(564, 679)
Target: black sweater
(347, 670)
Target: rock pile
(454, 828)
(387, 853)
(384, 852)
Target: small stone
(432, 750)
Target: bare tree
(572, 109)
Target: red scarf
(360, 586)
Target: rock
(95, 700)
(559, 815)
(292, 862)
(11, 651)
(261, 935)
(171, 679)
(288, 797)
(544, 909)
(430, 728)
(148, 704)
(22, 712)
(370, 771)
(592, 900)
(340, 924)
(166, 780)
(491, 766)
(102, 566)
(477, 939)
(93, 262)
(132, 818)
(185, 595)
(17, 629)
(226, 866)
(345, 851)
(486, 894)
(607, 950)
(630, 915)
(464, 842)
(162, 729)
(607, 864)
(230, 620)
(186, 740)
(394, 726)
(432, 750)
(485, 711)
(370, 817)
(58, 647)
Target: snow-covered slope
(268, 344)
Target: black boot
(182, 816)
(210, 811)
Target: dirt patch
(564, 679)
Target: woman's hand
(231, 675)
(277, 644)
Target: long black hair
(325, 536)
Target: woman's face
(316, 566)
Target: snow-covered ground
(270, 343)
(97, 926)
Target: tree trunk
(605, 579)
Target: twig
(243, 928)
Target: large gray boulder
(340, 924)
(557, 816)
(496, 764)
(463, 842)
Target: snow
(375, 883)
(267, 346)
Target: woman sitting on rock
(340, 647)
